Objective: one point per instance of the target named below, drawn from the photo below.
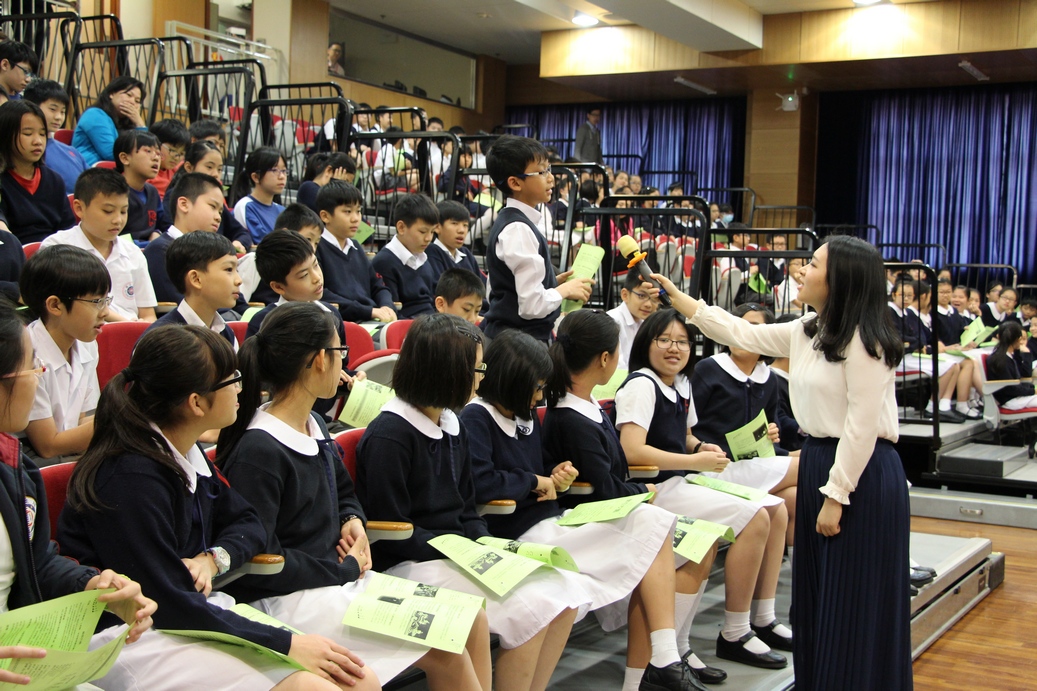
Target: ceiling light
(692, 85)
(971, 69)
(865, 3)
(581, 19)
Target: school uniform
(307, 195)
(991, 316)
(628, 327)
(408, 277)
(521, 282)
(146, 215)
(66, 161)
(727, 399)
(232, 230)
(917, 340)
(788, 429)
(155, 254)
(786, 293)
(12, 258)
(951, 325)
(35, 208)
(131, 283)
(1019, 366)
(184, 315)
(350, 274)
(440, 259)
(411, 469)
(256, 217)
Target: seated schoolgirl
(577, 429)
(280, 458)
(31, 570)
(144, 501)
(508, 463)
(256, 193)
(1012, 359)
(413, 465)
(1000, 308)
(729, 390)
(934, 337)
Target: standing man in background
(588, 138)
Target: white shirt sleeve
(41, 406)
(93, 392)
(635, 403)
(767, 339)
(518, 248)
(143, 291)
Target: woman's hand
(772, 433)
(327, 659)
(563, 476)
(239, 248)
(131, 112)
(829, 517)
(11, 652)
(684, 304)
(203, 570)
(126, 602)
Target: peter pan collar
(193, 465)
(306, 444)
(759, 375)
(589, 409)
(448, 422)
(681, 385)
(510, 427)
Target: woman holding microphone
(850, 600)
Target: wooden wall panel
(782, 34)
(308, 58)
(671, 55)
(490, 88)
(194, 12)
(825, 37)
(525, 87)
(988, 25)
(931, 27)
(1027, 24)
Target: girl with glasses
(281, 458)
(256, 193)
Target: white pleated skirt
(683, 498)
(761, 473)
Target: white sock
(632, 678)
(929, 406)
(684, 614)
(762, 612)
(945, 404)
(736, 625)
(694, 662)
(664, 648)
(962, 407)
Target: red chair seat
(359, 342)
(55, 482)
(64, 136)
(395, 332)
(115, 346)
(239, 329)
(1020, 411)
(30, 248)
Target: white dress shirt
(218, 324)
(67, 389)
(635, 402)
(406, 257)
(519, 249)
(628, 327)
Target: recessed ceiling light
(581, 19)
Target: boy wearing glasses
(18, 64)
(638, 304)
(173, 138)
(67, 288)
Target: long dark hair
(582, 336)
(653, 327)
(168, 365)
(12, 351)
(1008, 334)
(274, 359)
(11, 127)
(436, 367)
(118, 86)
(856, 303)
(259, 161)
(515, 364)
(196, 151)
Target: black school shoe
(921, 576)
(771, 638)
(675, 677)
(736, 652)
(707, 674)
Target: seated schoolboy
(447, 251)
(523, 290)
(63, 159)
(362, 296)
(209, 130)
(402, 263)
(137, 157)
(101, 202)
(173, 139)
(295, 217)
(638, 304)
(392, 168)
(460, 292)
(204, 268)
(320, 170)
(67, 289)
(33, 199)
(196, 202)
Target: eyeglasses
(343, 354)
(28, 73)
(535, 173)
(38, 368)
(173, 154)
(481, 369)
(234, 381)
(540, 387)
(643, 296)
(665, 343)
(98, 303)
(279, 172)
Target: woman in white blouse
(851, 605)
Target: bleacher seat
(115, 346)
(30, 248)
(359, 341)
(64, 136)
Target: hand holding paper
(125, 601)
(577, 287)
(365, 402)
(752, 440)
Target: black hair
(320, 162)
(11, 127)
(117, 86)
(786, 318)
(436, 367)
(435, 121)
(99, 181)
(675, 185)
(171, 132)
(1008, 333)
(454, 284)
(653, 327)
(205, 128)
(287, 342)
(194, 252)
(40, 91)
(589, 190)
(280, 252)
(12, 350)
(726, 208)
(457, 129)
(994, 284)
(296, 217)
(193, 154)
(453, 211)
(168, 365)
(944, 282)
(129, 142)
(582, 337)
(64, 271)
(768, 318)
(1028, 302)
(509, 157)
(1006, 289)
(856, 304)
(339, 193)
(189, 186)
(393, 135)
(632, 281)
(414, 208)
(16, 51)
(258, 162)
(516, 363)
(922, 288)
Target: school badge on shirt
(30, 516)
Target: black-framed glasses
(665, 343)
(98, 303)
(28, 73)
(535, 173)
(343, 354)
(234, 381)
(481, 369)
(540, 387)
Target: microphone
(627, 246)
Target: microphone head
(627, 245)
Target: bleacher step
(984, 460)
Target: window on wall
(375, 54)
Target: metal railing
(212, 46)
(779, 216)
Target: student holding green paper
(144, 501)
(281, 459)
(414, 465)
(627, 564)
(31, 571)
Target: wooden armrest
(643, 471)
(581, 488)
(257, 304)
(165, 307)
(497, 507)
(992, 385)
(388, 530)
(259, 565)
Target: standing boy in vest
(524, 291)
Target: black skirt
(851, 601)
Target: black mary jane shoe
(922, 577)
(675, 677)
(768, 635)
(707, 674)
(736, 652)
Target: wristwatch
(221, 558)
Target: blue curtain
(957, 167)
(699, 142)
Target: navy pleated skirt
(851, 601)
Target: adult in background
(117, 109)
(588, 138)
(850, 603)
(335, 54)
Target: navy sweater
(909, 326)
(302, 501)
(402, 475)
(146, 215)
(165, 291)
(506, 467)
(595, 451)
(788, 428)
(440, 261)
(951, 327)
(12, 258)
(174, 317)
(1019, 366)
(233, 230)
(32, 217)
(353, 277)
(414, 288)
(152, 524)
